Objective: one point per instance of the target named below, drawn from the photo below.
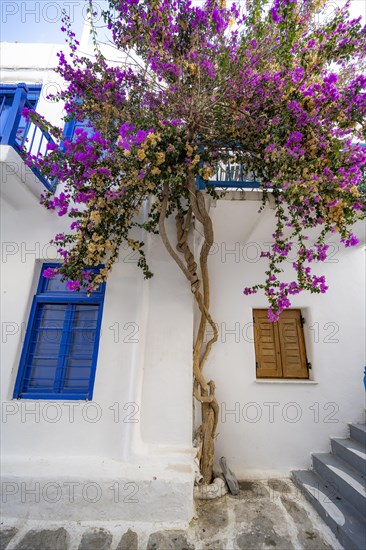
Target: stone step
(358, 432)
(351, 451)
(345, 522)
(346, 481)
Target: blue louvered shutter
(61, 347)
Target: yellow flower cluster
(336, 213)
(95, 217)
(93, 247)
(189, 149)
(207, 173)
(160, 158)
(96, 237)
(141, 154)
(196, 160)
(191, 67)
(135, 245)
(153, 139)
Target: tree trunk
(203, 391)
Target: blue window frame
(72, 125)
(60, 351)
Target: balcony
(232, 176)
(16, 134)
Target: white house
(123, 449)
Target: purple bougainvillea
(280, 91)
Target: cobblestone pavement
(269, 514)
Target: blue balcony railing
(230, 175)
(19, 133)
(26, 136)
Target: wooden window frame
(280, 356)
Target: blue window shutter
(72, 125)
(60, 351)
(69, 129)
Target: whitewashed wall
(271, 427)
(139, 420)
(132, 443)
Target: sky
(40, 20)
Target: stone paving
(269, 514)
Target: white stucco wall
(140, 418)
(271, 427)
(136, 432)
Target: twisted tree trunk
(203, 391)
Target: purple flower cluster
(73, 285)
(50, 272)
(59, 203)
(297, 75)
(130, 137)
(351, 240)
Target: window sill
(285, 381)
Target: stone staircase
(336, 487)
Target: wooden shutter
(279, 347)
(292, 344)
(267, 346)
